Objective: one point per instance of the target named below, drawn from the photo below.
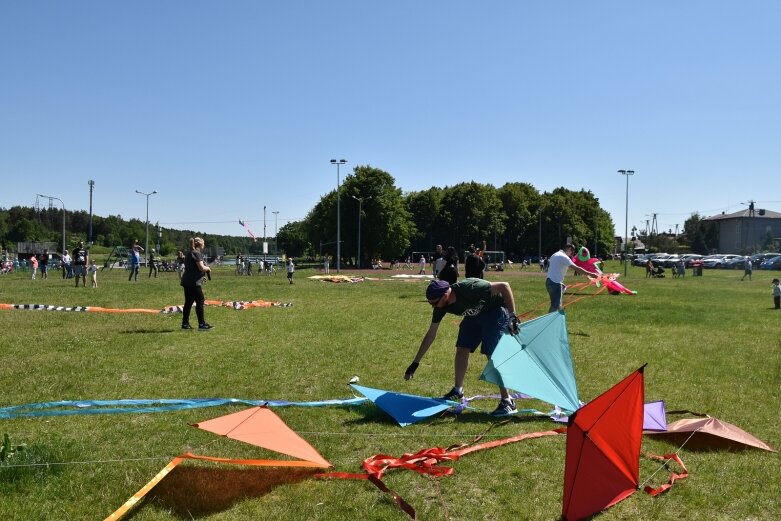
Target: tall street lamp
(146, 251)
(338, 214)
(63, 217)
(360, 203)
(626, 173)
(276, 244)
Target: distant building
(748, 230)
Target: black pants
(777, 301)
(193, 294)
(133, 271)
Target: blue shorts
(79, 269)
(486, 329)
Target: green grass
(711, 343)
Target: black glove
(514, 325)
(410, 372)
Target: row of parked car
(766, 261)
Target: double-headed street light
(626, 173)
(338, 214)
(146, 251)
(360, 203)
(63, 216)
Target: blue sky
(227, 107)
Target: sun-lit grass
(711, 343)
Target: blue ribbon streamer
(73, 407)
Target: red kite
(602, 465)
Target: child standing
(93, 271)
(777, 293)
(34, 265)
(290, 269)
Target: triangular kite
(406, 409)
(654, 417)
(537, 362)
(260, 426)
(603, 450)
(711, 433)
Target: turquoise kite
(537, 362)
(406, 409)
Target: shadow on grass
(148, 331)
(195, 492)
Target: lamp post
(146, 251)
(63, 217)
(91, 184)
(626, 173)
(360, 203)
(276, 244)
(338, 215)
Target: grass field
(711, 343)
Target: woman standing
(195, 272)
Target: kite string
(200, 447)
(668, 460)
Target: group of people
(488, 311)
(244, 266)
(76, 266)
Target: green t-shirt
(473, 296)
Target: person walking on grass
(195, 273)
(291, 268)
(776, 294)
(488, 309)
(747, 268)
(152, 263)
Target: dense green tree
(386, 225)
(293, 240)
(520, 202)
(471, 213)
(424, 209)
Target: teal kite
(406, 409)
(537, 362)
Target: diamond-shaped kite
(602, 465)
(537, 362)
(406, 409)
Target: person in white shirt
(557, 270)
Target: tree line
(515, 218)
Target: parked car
(659, 258)
(718, 261)
(640, 260)
(689, 258)
(757, 258)
(773, 263)
(671, 261)
(737, 263)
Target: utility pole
(91, 184)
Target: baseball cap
(436, 289)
